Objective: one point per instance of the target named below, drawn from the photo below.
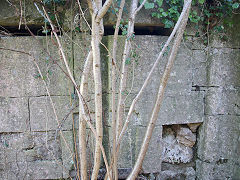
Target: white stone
(174, 152)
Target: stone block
(70, 151)
(171, 111)
(11, 148)
(14, 114)
(11, 10)
(211, 171)
(232, 37)
(153, 159)
(181, 75)
(34, 155)
(224, 67)
(42, 116)
(45, 170)
(198, 43)
(199, 68)
(131, 144)
(67, 147)
(30, 147)
(186, 173)
(219, 139)
(47, 146)
(222, 101)
(19, 74)
(126, 151)
(15, 170)
(32, 170)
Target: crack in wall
(29, 116)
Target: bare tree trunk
(98, 94)
(160, 95)
(124, 71)
(113, 80)
(82, 122)
(97, 12)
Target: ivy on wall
(209, 12)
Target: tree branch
(103, 10)
(140, 7)
(147, 80)
(82, 122)
(160, 96)
(81, 102)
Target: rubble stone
(193, 126)
(186, 137)
(174, 152)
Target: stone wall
(197, 131)
(218, 147)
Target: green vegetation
(210, 12)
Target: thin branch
(147, 80)
(113, 82)
(140, 7)
(81, 102)
(80, 8)
(160, 95)
(103, 10)
(123, 78)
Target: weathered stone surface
(15, 170)
(29, 147)
(199, 44)
(14, 114)
(153, 160)
(186, 137)
(232, 37)
(193, 126)
(199, 68)
(42, 115)
(219, 139)
(67, 152)
(19, 75)
(12, 146)
(126, 155)
(131, 144)
(70, 151)
(10, 13)
(47, 146)
(211, 171)
(224, 67)
(187, 173)
(185, 73)
(181, 75)
(45, 170)
(223, 101)
(34, 155)
(32, 170)
(172, 111)
(174, 152)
